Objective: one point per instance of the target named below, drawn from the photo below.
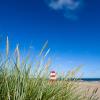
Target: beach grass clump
(19, 82)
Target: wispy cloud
(70, 8)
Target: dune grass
(17, 82)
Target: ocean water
(90, 79)
(84, 79)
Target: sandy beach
(91, 86)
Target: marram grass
(17, 82)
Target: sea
(84, 79)
(90, 79)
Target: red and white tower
(53, 76)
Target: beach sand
(91, 86)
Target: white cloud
(71, 8)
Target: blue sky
(72, 28)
